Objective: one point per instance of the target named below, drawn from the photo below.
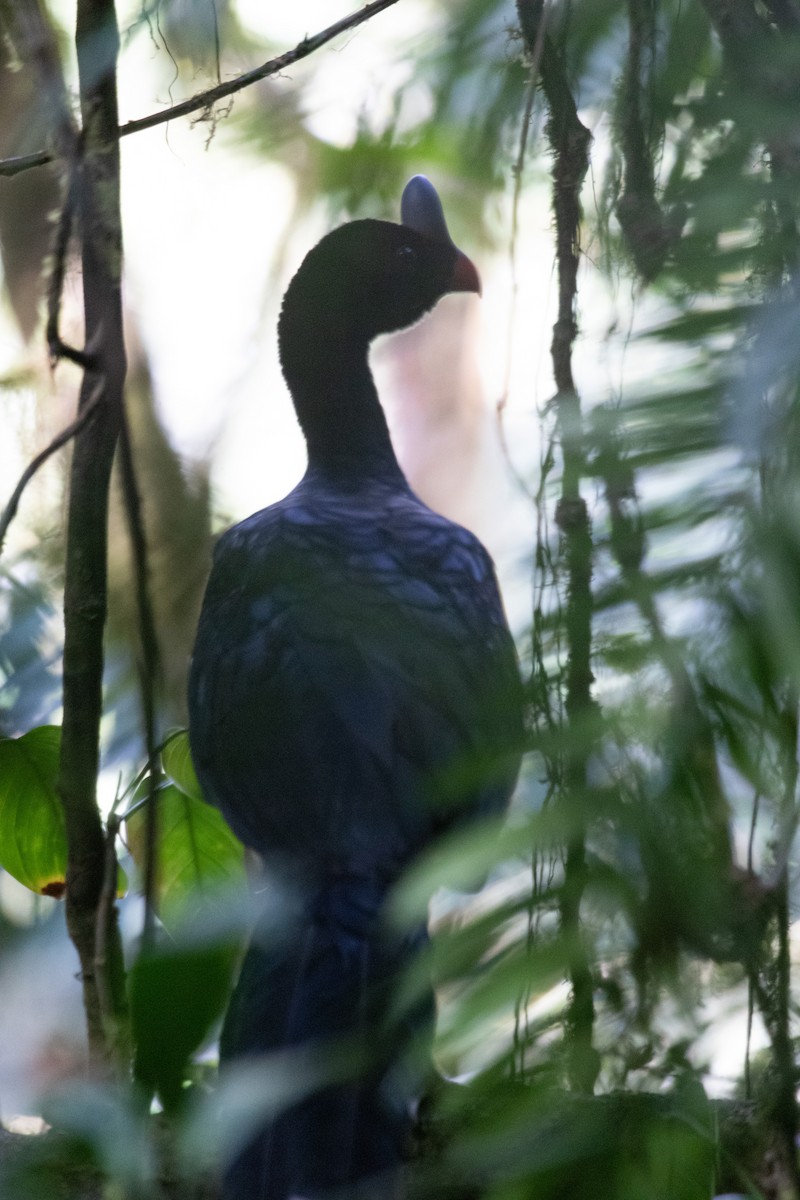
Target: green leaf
(197, 853)
(33, 840)
(177, 759)
(176, 994)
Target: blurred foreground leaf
(520, 1140)
(179, 988)
(176, 992)
(105, 1122)
(248, 1093)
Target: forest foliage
(643, 885)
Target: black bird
(352, 657)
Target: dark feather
(352, 661)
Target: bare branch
(85, 577)
(56, 346)
(570, 141)
(206, 99)
(105, 949)
(24, 162)
(649, 231)
(61, 439)
(149, 670)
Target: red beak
(465, 277)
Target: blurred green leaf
(198, 856)
(461, 860)
(176, 991)
(110, 1123)
(176, 757)
(520, 1140)
(33, 842)
(248, 1093)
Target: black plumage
(352, 657)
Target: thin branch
(61, 439)
(753, 824)
(570, 141)
(138, 805)
(23, 162)
(777, 1017)
(56, 346)
(85, 575)
(104, 941)
(105, 912)
(649, 232)
(748, 1079)
(149, 669)
(784, 1056)
(206, 99)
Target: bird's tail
(328, 989)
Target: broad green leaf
(197, 853)
(176, 994)
(33, 842)
(177, 759)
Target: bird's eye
(406, 257)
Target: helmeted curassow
(352, 654)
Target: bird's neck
(340, 414)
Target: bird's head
(371, 277)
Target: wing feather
(342, 669)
